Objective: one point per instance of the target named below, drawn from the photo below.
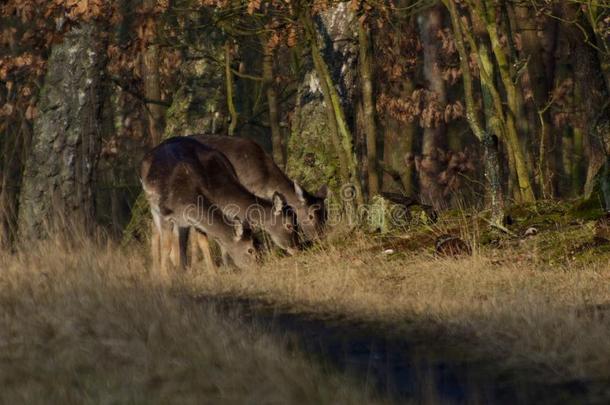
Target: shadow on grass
(422, 369)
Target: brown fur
(259, 174)
(183, 177)
(177, 185)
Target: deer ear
(278, 203)
(322, 192)
(299, 192)
(238, 230)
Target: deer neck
(259, 213)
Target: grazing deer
(175, 182)
(199, 181)
(262, 177)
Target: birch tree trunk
(59, 177)
(320, 148)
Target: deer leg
(193, 246)
(204, 245)
(155, 242)
(183, 242)
(174, 254)
(166, 246)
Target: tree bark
(493, 121)
(537, 81)
(397, 145)
(59, 177)
(13, 147)
(366, 80)
(433, 137)
(488, 14)
(592, 91)
(491, 156)
(340, 131)
(272, 103)
(229, 84)
(150, 75)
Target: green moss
(312, 160)
(566, 231)
(383, 216)
(177, 113)
(138, 228)
(588, 209)
(541, 215)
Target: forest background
(457, 102)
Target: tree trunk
(13, 146)
(340, 132)
(59, 177)
(274, 114)
(366, 80)
(397, 145)
(430, 25)
(537, 81)
(229, 84)
(494, 120)
(598, 16)
(576, 187)
(512, 95)
(591, 89)
(199, 104)
(151, 78)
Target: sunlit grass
(528, 302)
(90, 322)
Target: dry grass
(511, 302)
(90, 325)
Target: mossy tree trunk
(494, 123)
(272, 102)
(486, 11)
(365, 65)
(340, 131)
(59, 177)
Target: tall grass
(84, 323)
(88, 322)
(509, 303)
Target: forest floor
(534, 303)
(523, 319)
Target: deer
(258, 173)
(189, 184)
(173, 179)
